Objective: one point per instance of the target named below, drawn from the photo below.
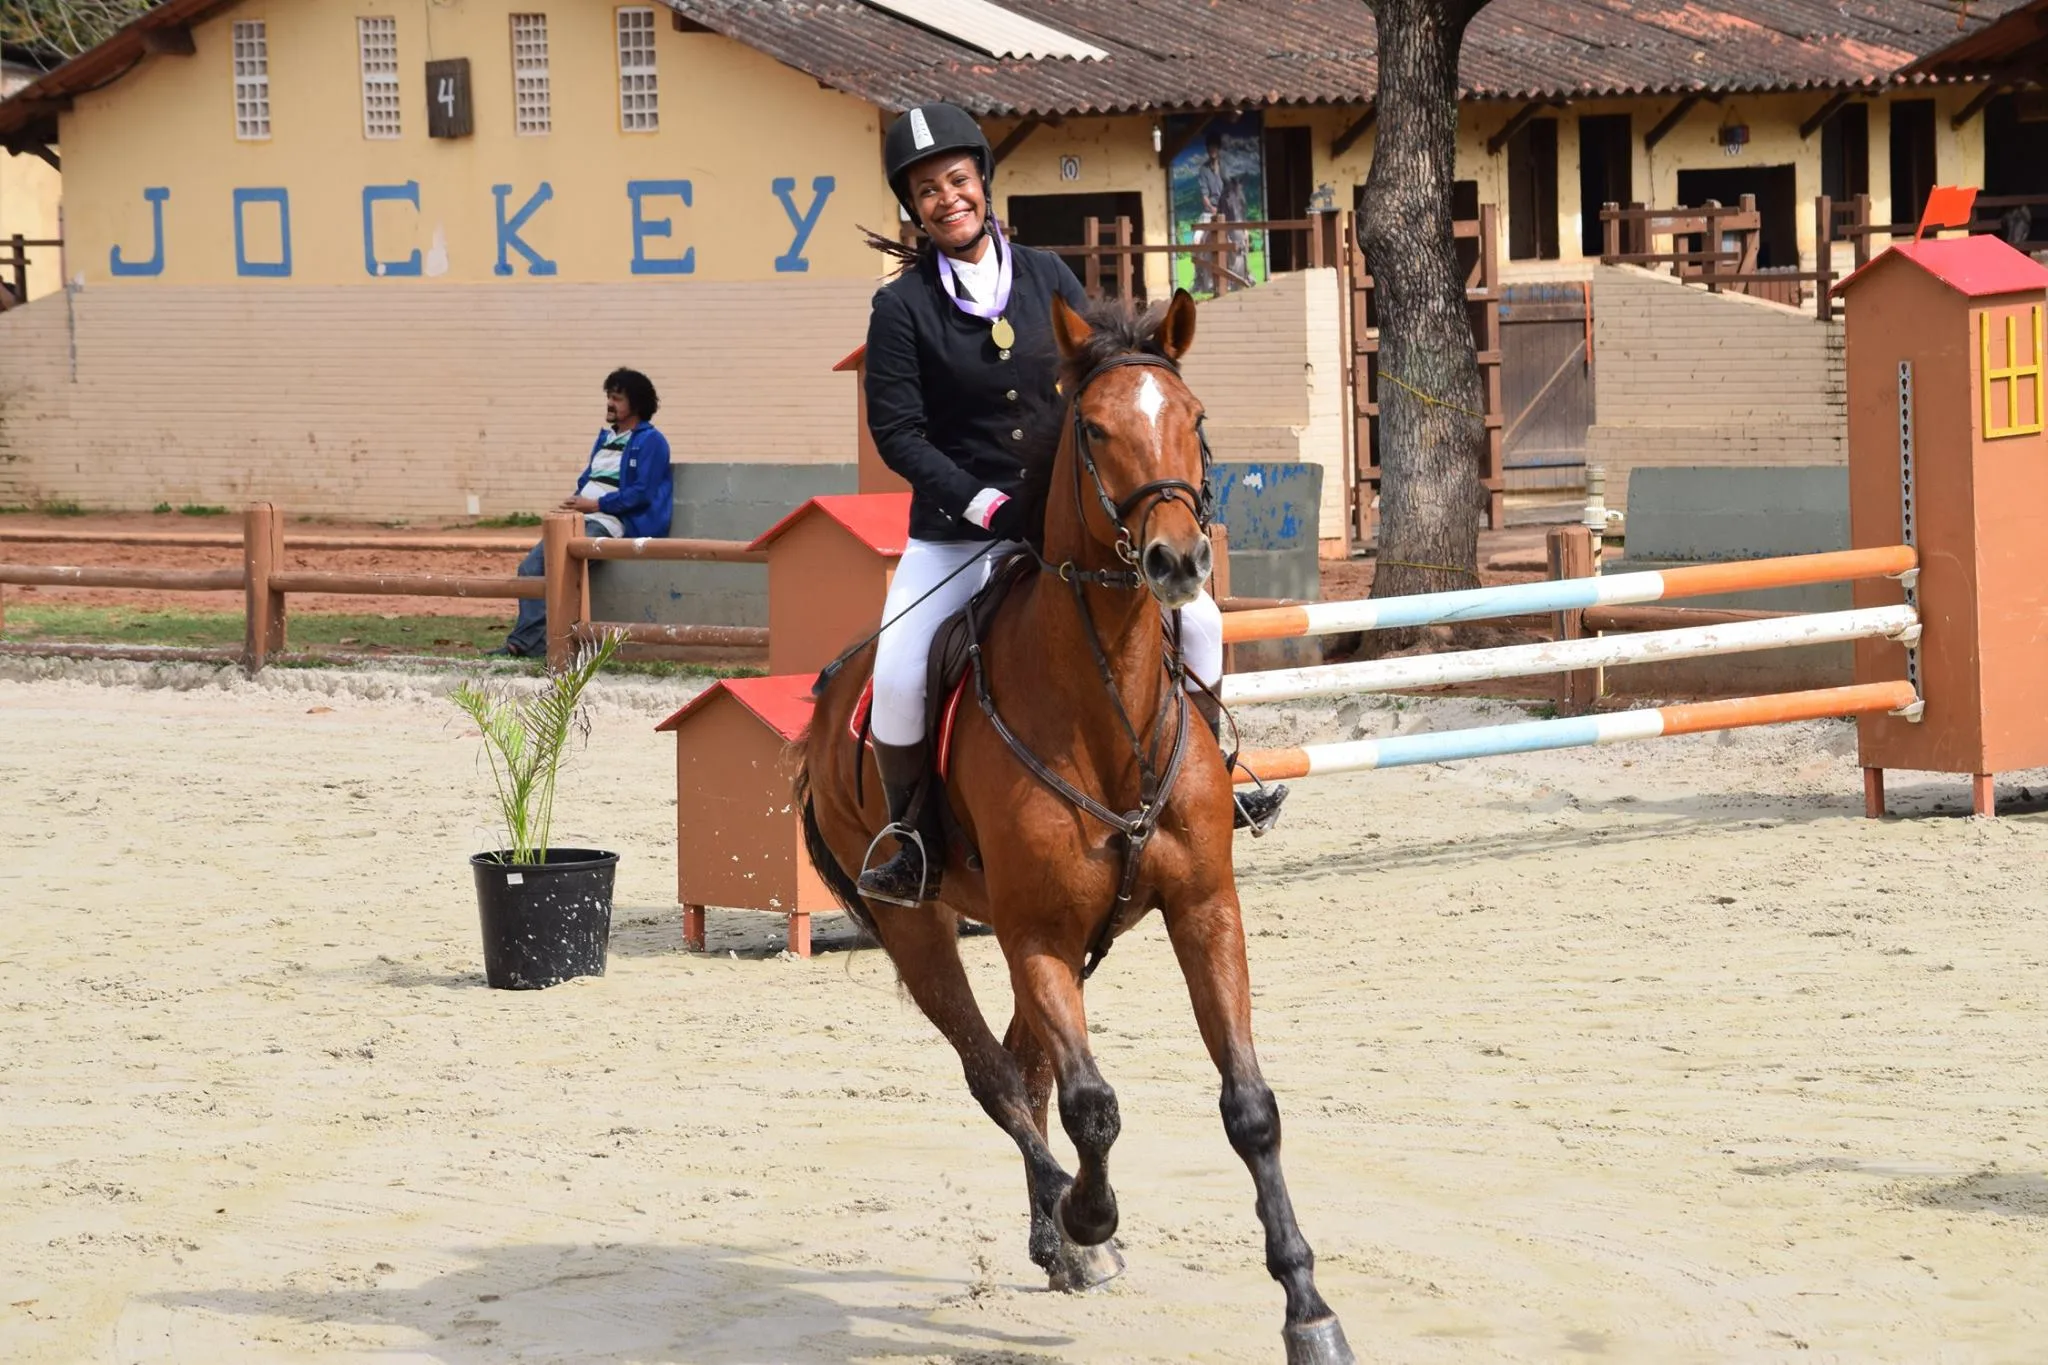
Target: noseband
(1148, 496)
(1159, 761)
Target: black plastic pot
(544, 922)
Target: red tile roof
(881, 521)
(1976, 267)
(781, 702)
(1200, 54)
(1222, 54)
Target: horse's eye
(1095, 433)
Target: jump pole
(1568, 594)
(1560, 656)
(1571, 732)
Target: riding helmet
(926, 131)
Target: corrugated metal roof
(997, 31)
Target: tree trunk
(1432, 434)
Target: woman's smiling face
(951, 204)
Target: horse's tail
(843, 888)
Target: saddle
(948, 676)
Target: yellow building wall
(30, 192)
(733, 124)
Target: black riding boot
(911, 875)
(1257, 810)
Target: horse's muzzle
(1175, 575)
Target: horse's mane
(1118, 329)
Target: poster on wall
(1217, 177)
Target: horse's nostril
(1159, 560)
(1203, 559)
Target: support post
(1873, 793)
(1091, 273)
(1123, 258)
(20, 268)
(1983, 798)
(1219, 579)
(562, 575)
(1570, 551)
(263, 609)
(799, 938)
(1824, 257)
(693, 927)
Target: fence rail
(1717, 246)
(266, 584)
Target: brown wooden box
(1966, 315)
(829, 566)
(872, 475)
(739, 836)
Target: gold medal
(1003, 334)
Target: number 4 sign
(448, 98)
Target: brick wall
(1684, 377)
(1268, 366)
(357, 401)
(403, 403)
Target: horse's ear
(1069, 329)
(1177, 329)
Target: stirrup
(871, 884)
(1258, 811)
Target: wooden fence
(1715, 245)
(14, 261)
(1112, 252)
(266, 584)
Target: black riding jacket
(948, 409)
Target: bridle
(1155, 779)
(1148, 496)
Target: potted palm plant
(546, 912)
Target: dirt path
(1648, 1054)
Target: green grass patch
(161, 508)
(453, 635)
(457, 637)
(197, 509)
(507, 521)
(60, 509)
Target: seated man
(624, 491)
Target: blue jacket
(646, 498)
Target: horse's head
(1135, 441)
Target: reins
(1136, 827)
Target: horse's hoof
(1076, 1267)
(1320, 1342)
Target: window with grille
(530, 113)
(377, 40)
(638, 112)
(252, 80)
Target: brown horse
(1056, 879)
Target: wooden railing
(1111, 251)
(266, 583)
(14, 260)
(1715, 245)
(1849, 221)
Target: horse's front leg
(1208, 938)
(1048, 986)
(924, 945)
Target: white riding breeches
(904, 649)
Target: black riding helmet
(927, 131)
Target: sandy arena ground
(1648, 1054)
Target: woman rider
(959, 350)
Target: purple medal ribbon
(987, 311)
